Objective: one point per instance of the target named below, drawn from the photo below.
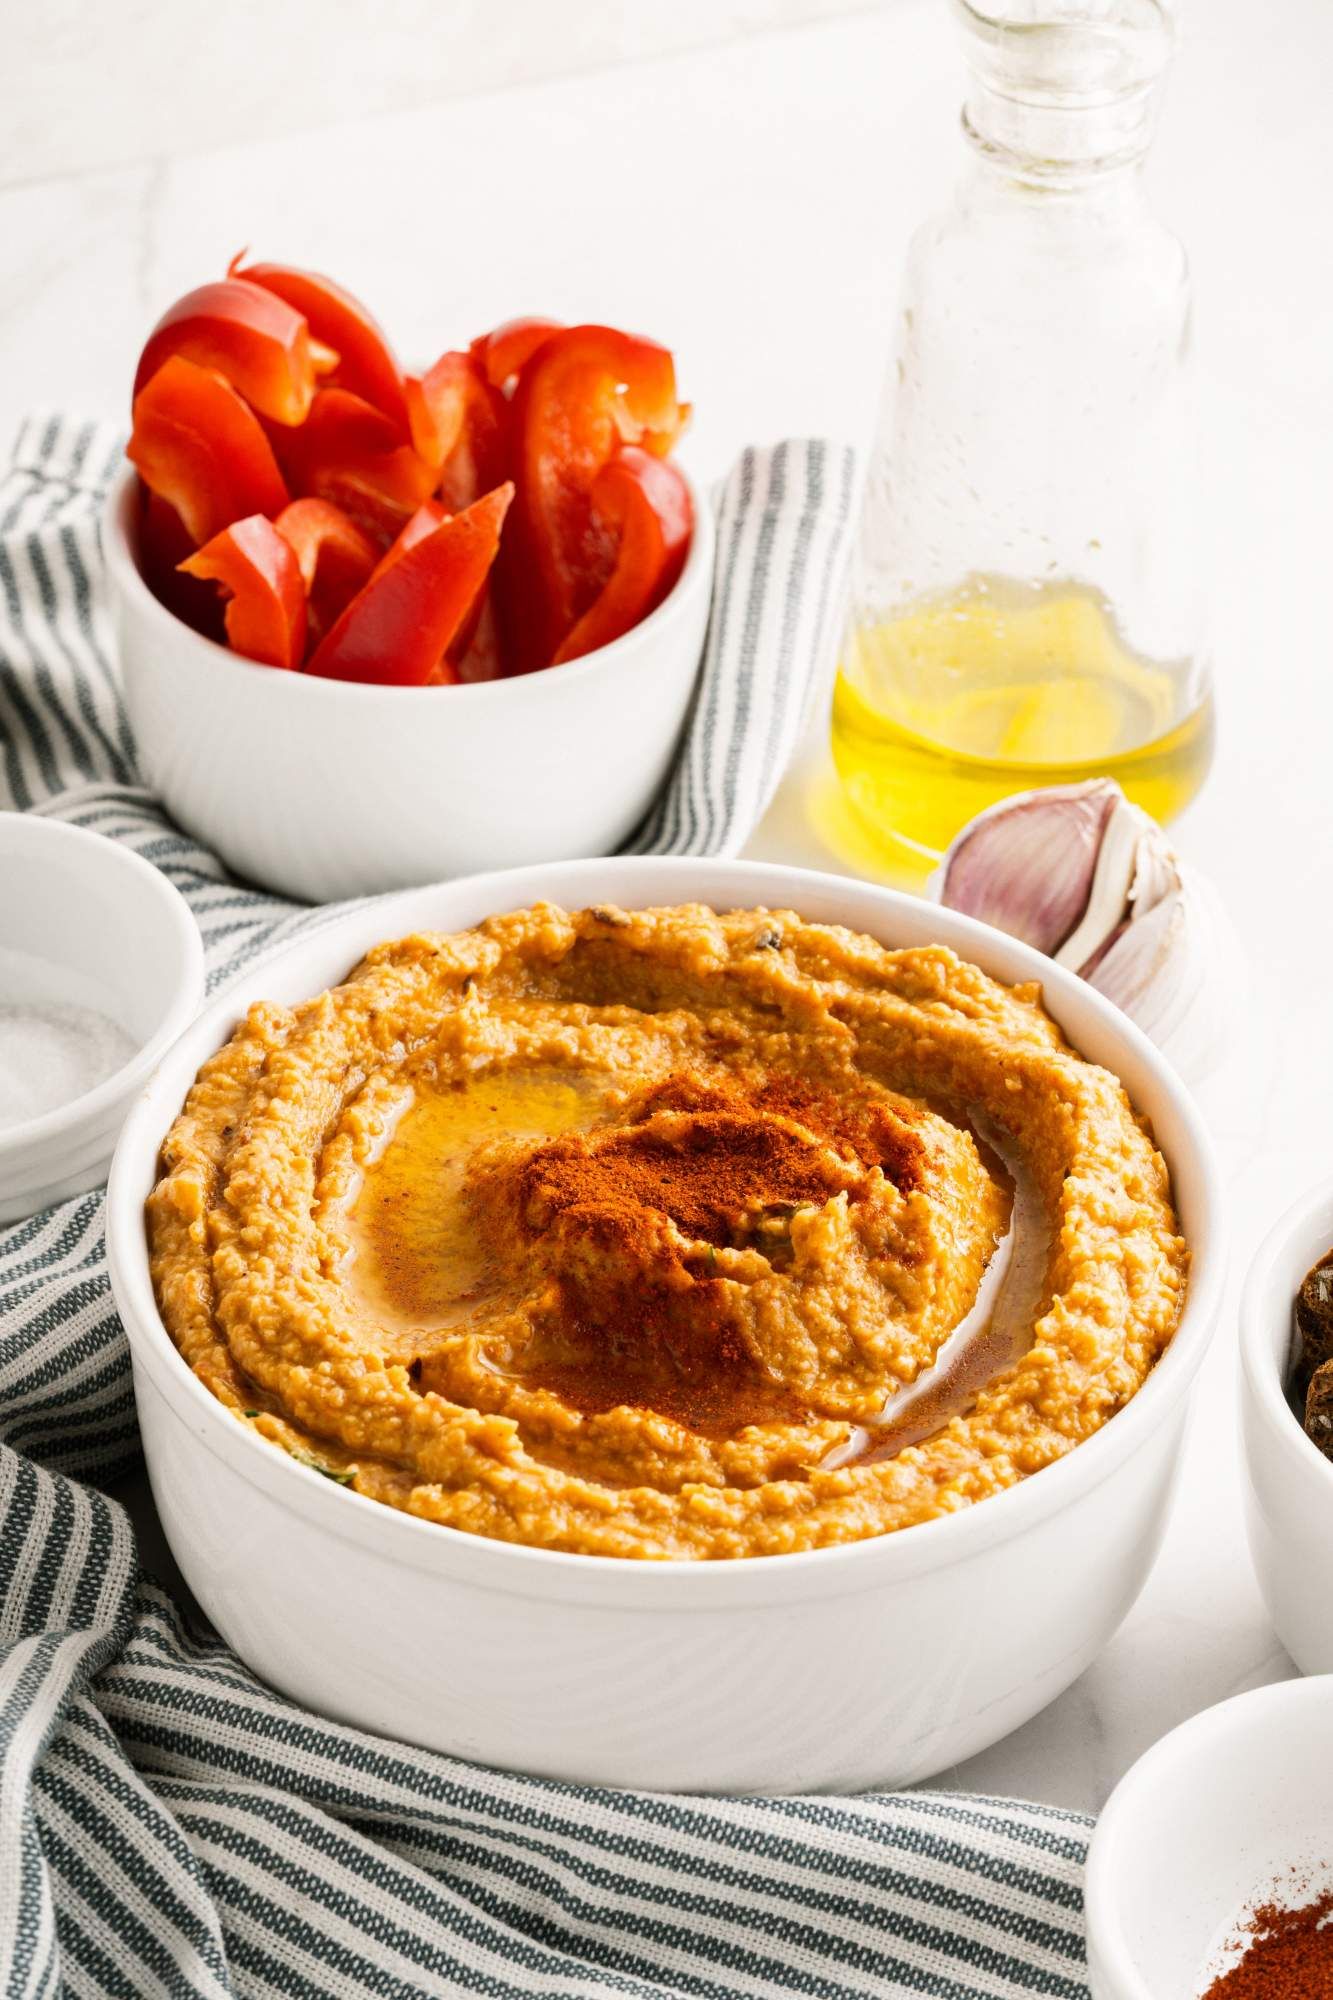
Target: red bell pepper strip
(398, 629)
(430, 515)
(480, 658)
(644, 501)
(200, 446)
(257, 571)
(460, 429)
(367, 365)
(163, 543)
(659, 443)
(349, 452)
(505, 352)
(257, 341)
(585, 392)
(473, 652)
(426, 521)
(461, 425)
(334, 556)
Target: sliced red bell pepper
(335, 558)
(473, 652)
(163, 543)
(257, 571)
(367, 365)
(585, 392)
(430, 515)
(200, 446)
(660, 443)
(460, 429)
(476, 653)
(257, 341)
(645, 502)
(349, 452)
(503, 353)
(398, 629)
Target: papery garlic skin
(1092, 881)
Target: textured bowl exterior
(1289, 1483)
(96, 910)
(873, 1664)
(324, 790)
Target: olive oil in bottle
(961, 699)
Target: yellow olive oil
(958, 701)
(419, 1264)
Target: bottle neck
(1062, 93)
(1058, 146)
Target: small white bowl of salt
(101, 967)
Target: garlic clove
(1120, 867)
(1179, 974)
(1149, 968)
(1092, 880)
(1027, 865)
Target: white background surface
(749, 203)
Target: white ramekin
(84, 919)
(1289, 1482)
(1228, 1810)
(876, 1663)
(325, 789)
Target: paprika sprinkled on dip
(665, 1233)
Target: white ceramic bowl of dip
(876, 1663)
(1289, 1482)
(326, 789)
(1228, 1810)
(85, 924)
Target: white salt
(51, 1053)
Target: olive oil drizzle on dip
(417, 1262)
(995, 1332)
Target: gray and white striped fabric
(170, 1827)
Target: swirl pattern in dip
(665, 1233)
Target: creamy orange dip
(665, 1233)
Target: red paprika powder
(1289, 1955)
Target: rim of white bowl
(523, 1568)
(694, 577)
(1132, 1799)
(1260, 1302)
(181, 1010)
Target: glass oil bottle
(1025, 601)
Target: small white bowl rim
(523, 1568)
(184, 1006)
(1135, 1791)
(695, 576)
(1263, 1376)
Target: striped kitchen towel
(170, 1827)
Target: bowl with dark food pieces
(683, 1324)
(1286, 1331)
(378, 628)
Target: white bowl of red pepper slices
(378, 629)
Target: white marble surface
(188, 77)
(750, 205)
